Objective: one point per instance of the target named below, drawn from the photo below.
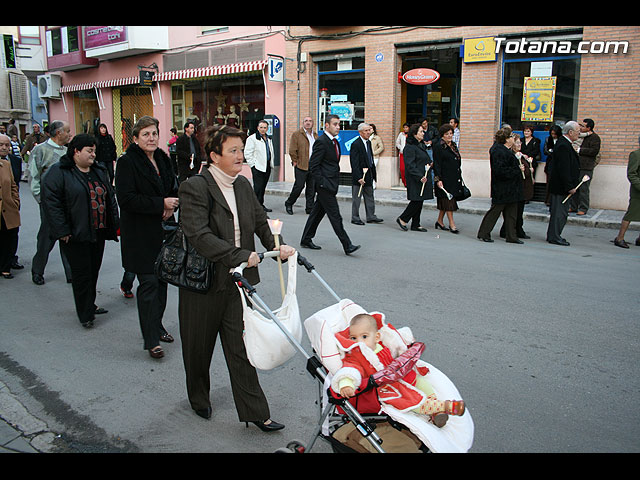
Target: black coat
(324, 165)
(506, 176)
(183, 148)
(532, 149)
(566, 168)
(359, 161)
(446, 167)
(16, 167)
(141, 193)
(67, 203)
(105, 148)
(416, 159)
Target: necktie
(369, 154)
(335, 143)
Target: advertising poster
(538, 98)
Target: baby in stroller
(368, 355)
(328, 330)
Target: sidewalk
(597, 218)
(20, 432)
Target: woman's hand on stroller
(254, 259)
(286, 251)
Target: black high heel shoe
(204, 413)
(267, 427)
(441, 227)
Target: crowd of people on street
(87, 196)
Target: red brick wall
(610, 92)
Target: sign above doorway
(421, 76)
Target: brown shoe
(156, 352)
(439, 419)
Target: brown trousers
(202, 319)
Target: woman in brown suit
(220, 215)
(9, 216)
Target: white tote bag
(266, 344)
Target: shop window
(231, 100)
(341, 91)
(566, 71)
(439, 101)
(86, 112)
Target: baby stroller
(340, 424)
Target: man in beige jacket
(300, 149)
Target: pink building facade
(209, 75)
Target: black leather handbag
(463, 193)
(180, 264)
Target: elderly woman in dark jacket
(506, 188)
(221, 216)
(81, 209)
(447, 175)
(416, 160)
(147, 193)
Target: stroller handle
(240, 268)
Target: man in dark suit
(325, 169)
(361, 157)
(188, 149)
(563, 181)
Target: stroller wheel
(297, 446)
(294, 446)
(283, 450)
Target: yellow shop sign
(482, 49)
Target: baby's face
(362, 332)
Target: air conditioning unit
(49, 85)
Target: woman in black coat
(416, 160)
(80, 206)
(147, 193)
(106, 150)
(506, 188)
(531, 146)
(447, 175)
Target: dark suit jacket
(325, 164)
(359, 161)
(183, 148)
(566, 168)
(141, 192)
(208, 224)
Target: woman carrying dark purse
(447, 177)
(146, 188)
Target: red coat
(360, 362)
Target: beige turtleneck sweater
(225, 182)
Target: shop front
(433, 91)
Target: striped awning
(191, 73)
(114, 82)
(212, 71)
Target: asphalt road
(541, 340)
